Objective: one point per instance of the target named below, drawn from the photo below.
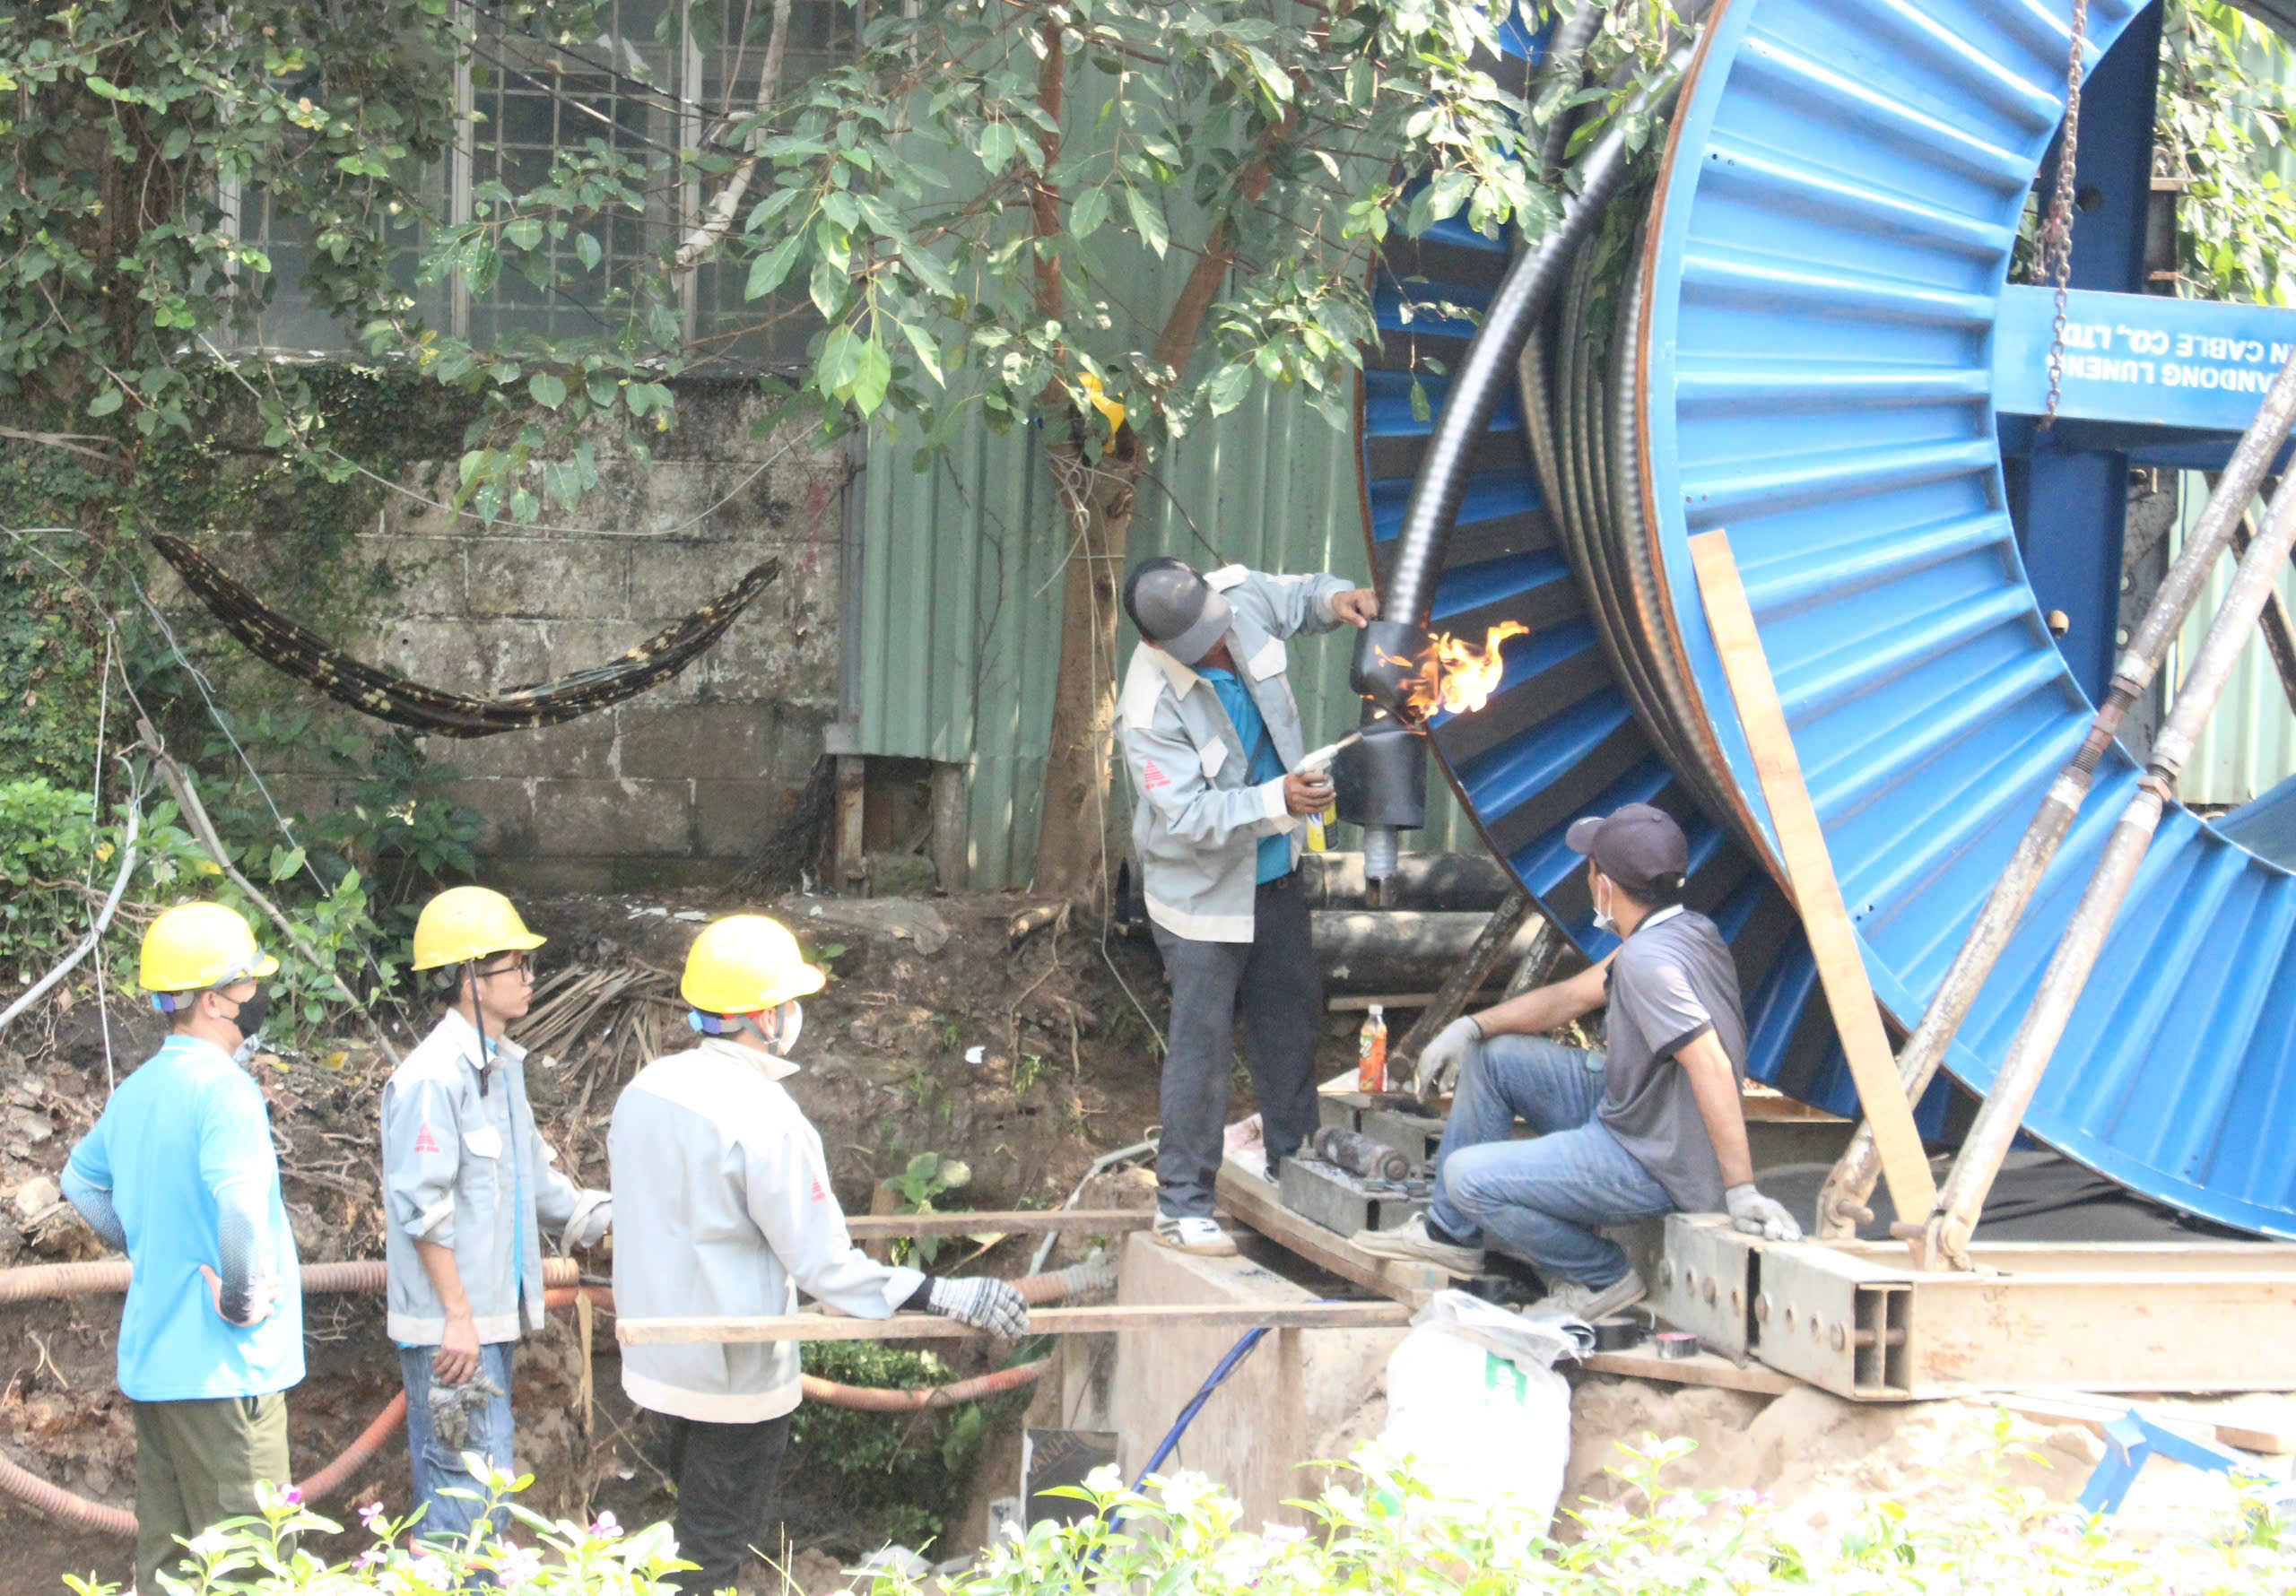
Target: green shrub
(898, 1473)
(1382, 1533)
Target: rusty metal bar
(2279, 630)
(1458, 990)
(1841, 1202)
(1945, 1239)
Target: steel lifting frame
(1859, 1320)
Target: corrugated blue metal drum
(1819, 283)
(1561, 738)
(1830, 244)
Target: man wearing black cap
(1211, 736)
(1651, 1126)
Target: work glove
(1757, 1214)
(592, 1217)
(983, 1303)
(1440, 1060)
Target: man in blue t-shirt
(179, 1174)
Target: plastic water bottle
(1371, 1053)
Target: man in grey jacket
(469, 1185)
(724, 1210)
(1210, 735)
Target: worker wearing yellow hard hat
(470, 1193)
(723, 1207)
(179, 1174)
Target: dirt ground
(1025, 1059)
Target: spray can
(1371, 1053)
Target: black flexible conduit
(1489, 364)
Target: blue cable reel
(1805, 332)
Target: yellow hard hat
(195, 946)
(746, 963)
(466, 923)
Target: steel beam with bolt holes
(1856, 1320)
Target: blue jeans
(1545, 1200)
(437, 1468)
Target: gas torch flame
(1453, 674)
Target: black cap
(1636, 846)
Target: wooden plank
(1245, 1196)
(2093, 1412)
(1092, 1321)
(1825, 918)
(1704, 1369)
(1062, 1221)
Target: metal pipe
(1475, 390)
(1946, 1235)
(1489, 363)
(1842, 1201)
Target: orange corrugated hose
(561, 1277)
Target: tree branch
(713, 225)
(1196, 298)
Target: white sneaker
(1410, 1243)
(1203, 1237)
(1573, 1300)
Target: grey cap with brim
(1211, 625)
(1634, 844)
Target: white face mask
(787, 1031)
(1603, 921)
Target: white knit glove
(1757, 1214)
(1441, 1061)
(983, 1303)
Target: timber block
(1341, 1203)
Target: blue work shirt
(1267, 765)
(188, 1125)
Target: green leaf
(827, 287)
(589, 250)
(1090, 210)
(106, 401)
(548, 391)
(927, 354)
(524, 233)
(771, 269)
(1149, 220)
(997, 144)
(873, 373)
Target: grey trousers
(1272, 985)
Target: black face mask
(252, 1013)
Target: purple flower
(606, 1528)
(371, 1557)
(294, 1496)
(517, 1564)
(371, 1517)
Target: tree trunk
(1071, 839)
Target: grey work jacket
(465, 1167)
(1196, 822)
(722, 1208)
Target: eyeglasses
(519, 965)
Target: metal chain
(2056, 239)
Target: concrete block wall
(683, 784)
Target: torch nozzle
(1321, 759)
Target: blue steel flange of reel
(1813, 343)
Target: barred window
(655, 81)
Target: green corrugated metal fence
(2249, 745)
(960, 574)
